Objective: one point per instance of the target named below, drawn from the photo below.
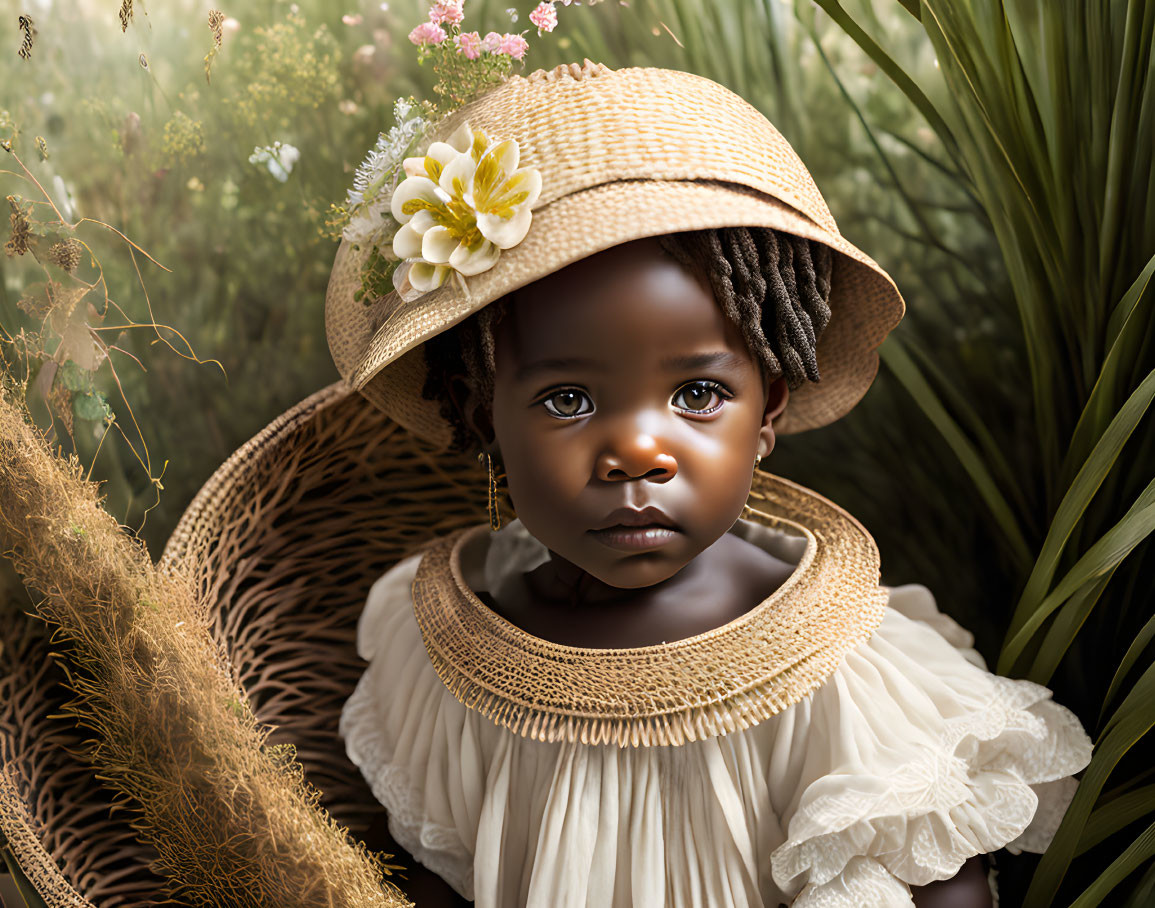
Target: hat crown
(588, 125)
(620, 154)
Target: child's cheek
(546, 471)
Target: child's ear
(777, 394)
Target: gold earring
(491, 492)
(757, 460)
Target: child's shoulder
(903, 763)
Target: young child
(674, 679)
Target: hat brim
(377, 347)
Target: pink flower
(447, 12)
(514, 45)
(491, 43)
(469, 43)
(544, 17)
(427, 33)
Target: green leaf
(903, 367)
(93, 407)
(1061, 634)
(1096, 414)
(1066, 625)
(1132, 858)
(958, 180)
(1101, 558)
(888, 65)
(1086, 483)
(1117, 814)
(73, 378)
(968, 62)
(1143, 895)
(975, 425)
(929, 234)
(1134, 719)
(1128, 661)
(1120, 144)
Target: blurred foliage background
(993, 155)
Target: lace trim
(439, 848)
(711, 684)
(978, 793)
(863, 882)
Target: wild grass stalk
(232, 819)
(1050, 112)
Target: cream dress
(906, 760)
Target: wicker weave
(285, 540)
(54, 813)
(623, 155)
(669, 693)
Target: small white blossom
(369, 225)
(384, 159)
(279, 158)
(370, 222)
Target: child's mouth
(634, 538)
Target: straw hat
(622, 154)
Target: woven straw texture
(623, 155)
(54, 812)
(670, 693)
(284, 540)
(17, 826)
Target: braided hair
(774, 287)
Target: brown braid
(774, 287)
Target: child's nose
(637, 456)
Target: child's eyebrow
(692, 361)
(686, 362)
(553, 365)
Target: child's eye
(700, 397)
(568, 403)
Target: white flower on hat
(459, 206)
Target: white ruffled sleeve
(406, 736)
(913, 758)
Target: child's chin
(635, 572)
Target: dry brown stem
(232, 819)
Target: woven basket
(284, 541)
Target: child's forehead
(608, 267)
(634, 298)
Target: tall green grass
(1049, 111)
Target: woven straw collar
(711, 684)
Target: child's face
(621, 386)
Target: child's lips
(634, 538)
(649, 516)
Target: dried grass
(231, 818)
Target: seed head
(28, 27)
(66, 254)
(21, 230)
